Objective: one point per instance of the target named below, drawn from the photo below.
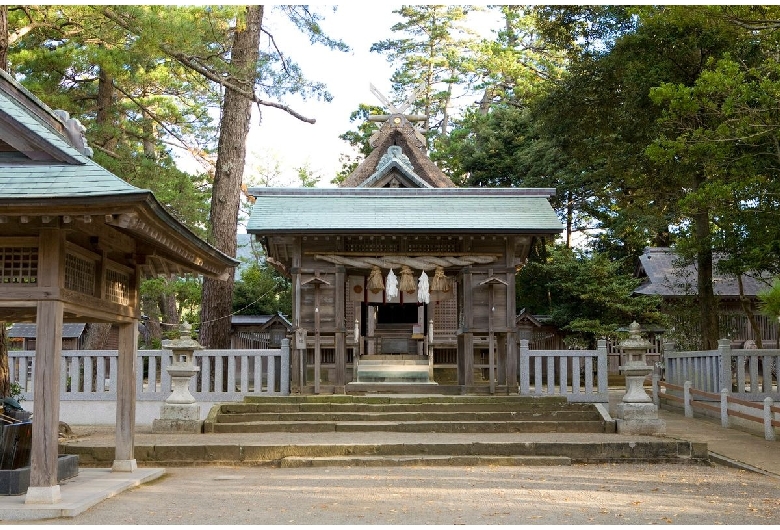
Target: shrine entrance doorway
(394, 344)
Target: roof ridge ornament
(74, 132)
(397, 114)
(394, 154)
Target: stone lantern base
(178, 418)
(638, 418)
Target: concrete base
(78, 494)
(126, 466)
(178, 418)
(177, 426)
(17, 481)
(43, 495)
(638, 418)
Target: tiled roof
(27, 331)
(667, 276)
(69, 174)
(505, 210)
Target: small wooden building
(398, 276)
(75, 242)
(251, 332)
(22, 336)
(664, 275)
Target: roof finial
(397, 113)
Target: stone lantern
(180, 413)
(636, 413)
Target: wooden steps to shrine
(433, 414)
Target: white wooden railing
(568, 373)
(750, 375)
(225, 375)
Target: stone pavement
(729, 447)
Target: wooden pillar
(340, 344)
(124, 457)
(491, 337)
(317, 352)
(43, 487)
(466, 341)
(511, 314)
(297, 369)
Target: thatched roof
(397, 130)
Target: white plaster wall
(104, 412)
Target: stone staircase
(421, 414)
(398, 430)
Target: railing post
(601, 373)
(724, 408)
(284, 385)
(687, 399)
(769, 431)
(669, 373)
(525, 382)
(724, 350)
(656, 390)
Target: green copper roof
(505, 210)
(67, 174)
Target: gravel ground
(581, 494)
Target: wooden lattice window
(79, 274)
(353, 244)
(19, 265)
(433, 246)
(118, 287)
(445, 313)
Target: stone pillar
(636, 413)
(124, 456)
(180, 412)
(44, 488)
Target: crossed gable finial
(398, 112)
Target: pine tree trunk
(4, 37)
(708, 304)
(226, 192)
(104, 116)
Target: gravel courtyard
(580, 494)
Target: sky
(279, 139)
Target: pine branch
(193, 63)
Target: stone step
(422, 460)
(393, 399)
(409, 416)
(536, 408)
(198, 451)
(598, 426)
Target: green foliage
(769, 300)
(187, 292)
(586, 296)
(261, 290)
(433, 52)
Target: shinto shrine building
(399, 277)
